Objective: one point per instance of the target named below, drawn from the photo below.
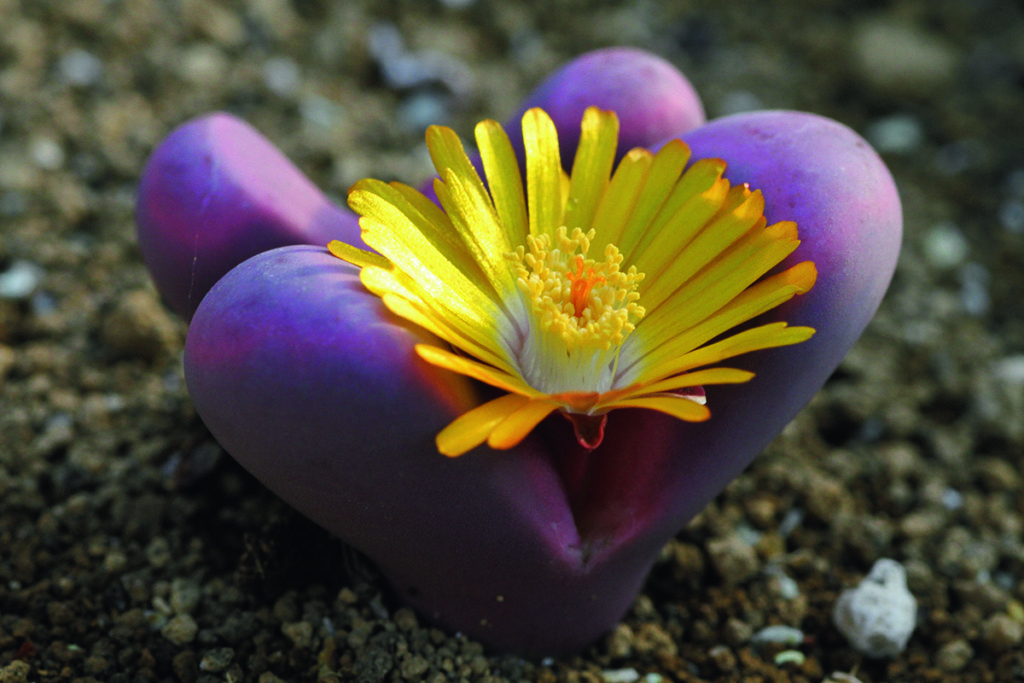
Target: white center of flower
(582, 310)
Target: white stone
(896, 134)
(20, 280)
(46, 153)
(945, 246)
(620, 675)
(878, 616)
(80, 68)
(281, 75)
(782, 635)
(1010, 369)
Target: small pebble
(1000, 633)
(737, 632)
(945, 246)
(180, 630)
(203, 65)
(46, 153)
(687, 561)
(348, 596)
(952, 499)
(620, 675)
(923, 523)
(620, 641)
(896, 134)
(15, 672)
(414, 667)
(281, 76)
(217, 659)
(653, 639)
(735, 560)
(723, 658)
(782, 585)
(299, 632)
(115, 561)
(761, 512)
(963, 554)
(138, 327)
(80, 68)
(998, 475)
(791, 521)
(20, 280)
(954, 655)
(790, 657)
(1009, 369)
(158, 552)
(878, 616)
(185, 596)
(841, 677)
(781, 635)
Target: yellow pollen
(587, 304)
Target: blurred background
(131, 549)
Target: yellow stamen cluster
(582, 309)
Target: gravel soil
(133, 549)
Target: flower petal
(620, 198)
(592, 167)
(516, 426)
(504, 180)
(471, 210)
(678, 407)
(712, 288)
(416, 311)
(673, 267)
(662, 207)
(683, 381)
(355, 256)
(673, 241)
(410, 240)
(758, 338)
(471, 429)
(662, 176)
(543, 173)
(752, 302)
(471, 368)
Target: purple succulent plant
(314, 386)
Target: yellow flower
(585, 293)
